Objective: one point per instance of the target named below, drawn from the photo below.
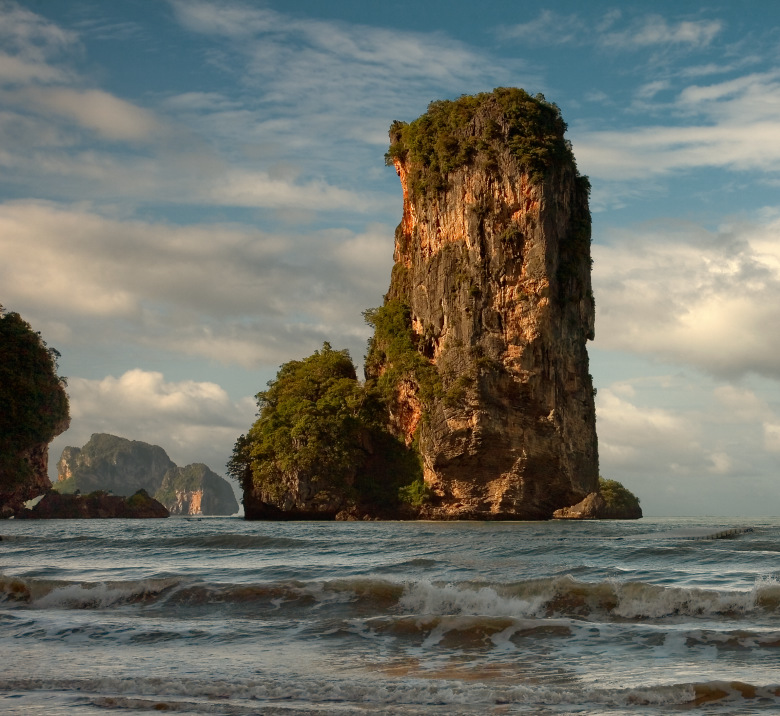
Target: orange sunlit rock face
(497, 276)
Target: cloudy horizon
(193, 193)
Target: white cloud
(687, 296)
(729, 125)
(627, 432)
(109, 116)
(721, 463)
(192, 421)
(649, 90)
(317, 95)
(326, 55)
(190, 175)
(742, 404)
(16, 70)
(649, 31)
(227, 292)
(687, 445)
(654, 30)
(772, 437)
(238, 187)
(324, 85)
(232, 20)
(31, 44)
(549, 28)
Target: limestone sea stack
(492, 277)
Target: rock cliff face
(196, 490)
(492, 279)
(121, 466)
(114, 464)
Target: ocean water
(223, 616)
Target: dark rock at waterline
(612, 502)
(96, 505)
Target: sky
(193, 192)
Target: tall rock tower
(480, 345)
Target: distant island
(122, 467)
(477, 402)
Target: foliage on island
(32, 395)
(452, 133)
(620, 502)
(321, 440)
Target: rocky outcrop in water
(612, 502)
(492, 282)
(114, 464)
(196, 490)
(100, 505)
(477, 367)
(590, 508)
(33, 411)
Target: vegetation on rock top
(452, 133)
(618, 499)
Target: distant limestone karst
(478, 364)
(122, 467)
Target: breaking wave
(541, 598)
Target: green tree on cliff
(320, 427)
(33, 403)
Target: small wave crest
(51, 594)
(233, 541)
(203, 541)
(415, 694)
(565, 596)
